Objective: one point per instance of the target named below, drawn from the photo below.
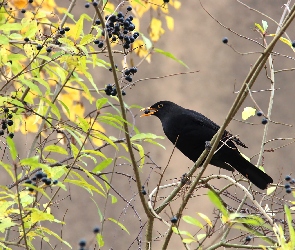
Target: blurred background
(197, 41)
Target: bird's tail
(251, 172)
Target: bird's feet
(208, 145)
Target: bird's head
(160, 109)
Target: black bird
(190, 131)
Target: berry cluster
(119, 28)
(129, 72)
(38, 178)
(6, 122)
(288, 185)
(111, 90)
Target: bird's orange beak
(148, 111)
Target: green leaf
(6, 222)
(12, 148)
(87, 39)
(8, 169)
(102, 165)
(101, 102)
(290, 225)
(119, 224)
(147, 42)
(10, 26)
(31, 85)
(265, 25)
(37, 215)
(170, 55)
(56, 149)
(259, 27)
(4, 40)
(83, 124)
(191, 220)
(143, 136)
(100, 240)
(270, 190)
(248, 112)
(141, 154)
(114, 199)
(215, 199)
(53, 107)
(46, 230)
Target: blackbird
(190, 132)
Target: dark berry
(100, 44)
(120, 14)
(97, 22)
(62, 32)
(49, 49)
(292, 181)
(126, 46)
(10, 122)
(264, 121)
(130, 18)
(135, 35)
(30, 1)
(4, 125)
(259, 113)
(114, 92)
(11, 135)
(225, 40)
(287, 177)
(288, 190)
(31, 189)
(87, 5)
(131, 27)
(39, 175)
(143, 192)
(109, 87)
(114, 39)
(44, 179)
(128, 78)
(28, 181)
(44, 175)
(55, 182)
(127, 72)
(96, 41)
(6, 110)
(293, 44)
(23, 11)
(166, 1)
(48, 182)
(108, 91)
(125, 32)
(82, 243)
(248, 238)
(287, 186)
(133, 70)
(173, 219)
(26, 39)
(106, 17)
(67, 29)
(34, 178)
(1, 132)
(131, 39)
(96, 230)
(129, 8)
(39, 47)
(103, 33)
(123, 92)
(94, 3)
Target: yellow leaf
(140, 50)
(141, 9)
(205, 218)
(170, 22)
(248, 112)
(156, 29)
(176, 4)
(20, 4)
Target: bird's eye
(160, 105)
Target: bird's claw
(208, 145)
